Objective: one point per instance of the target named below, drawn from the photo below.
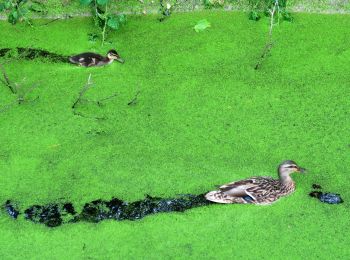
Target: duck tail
(71, 59)
(218, 197)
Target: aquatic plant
(104, 19)
(19, 10)
(263, 7)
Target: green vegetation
(104, 19)
(203, 117)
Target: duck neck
(286, 180)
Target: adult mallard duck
(258, 190)
(89, 59)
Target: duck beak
(120, 60)
(302, 170)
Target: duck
(89, 59)
(258, 190)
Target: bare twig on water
(99, 102)
(21, 97)
(82, 92)
(6, 80)
(51, 21)
(90, 117)
(269, 42)
(134, 100)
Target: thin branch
(269, 43)
(53, 20)
(21, 96)
(82, 92)
(99, 102)
(6, 82)
(90, 117)
(134, 100)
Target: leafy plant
(213, 3)
(18, 10)
(166, 8)
(201, 25)
(262, 7)
(104, 19)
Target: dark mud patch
(56, 214)
(326, 197)
(32, 53)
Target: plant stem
(269, 43)
(104, 26)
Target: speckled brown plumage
(257, 190)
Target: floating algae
(32, 53)
(56, 214)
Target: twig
(82, 92)
(54, 20)
(269, 44)
(21, 99)
(7, 80)
(99, 102)
(90, 117)
(134, 100)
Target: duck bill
(120, 60)
(302, 170)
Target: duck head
(288, 167)
(113, 55)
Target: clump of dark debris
(56, 214)
(326, 197)
(11, 209)
(52, 215)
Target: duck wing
(86, 58)
(243, 191)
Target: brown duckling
(89, 59)
(258, 190)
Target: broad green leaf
(122, 18)
(37, 7)
(102, 16)
(85, 2)
(201, 25)
(22, 11)
(102, 2)
(113, 23)
(2, 7)
(8, 4)
(13, 17)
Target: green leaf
(13, 17)
(102, 16)
(201, 25)
(2, 7)
(22, 11)
(85, 2)
(287, 16)
(122, 18)
(37, 7)
(254, 15)
(113, 23)
(8, 4)
(102, 2)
